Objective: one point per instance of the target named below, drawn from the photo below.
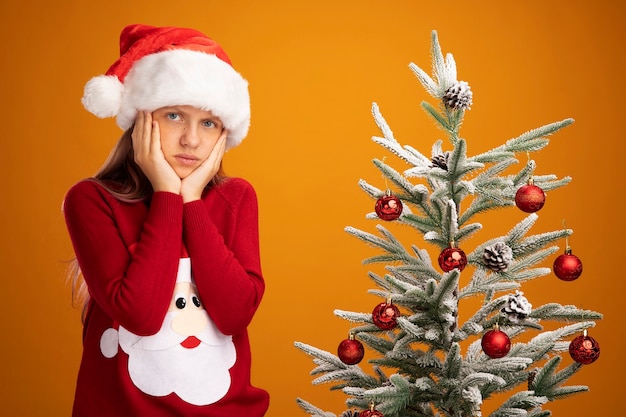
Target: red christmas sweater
(129, 255)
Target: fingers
(149, 157)
(215, 158)
(137, 133)
(212, 164)
(194, 183)
(140, 135)
(155, 137)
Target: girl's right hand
(149, 156)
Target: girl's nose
(190, 137)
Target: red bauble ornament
(584, 349)
(388, 207)
(451, 258)
(567, 266)
(350, 351)
(371, 412)
(496, 343)
(385, 315)
(530, 198)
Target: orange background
(314, 70)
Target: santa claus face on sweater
(189, 356)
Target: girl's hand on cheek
(149, 156)
(193, 185)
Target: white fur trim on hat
(170, 78)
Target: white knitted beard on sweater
(159, 365)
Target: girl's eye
(209, 123)
(173, 116)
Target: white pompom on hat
(169, 66)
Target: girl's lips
(187, 160)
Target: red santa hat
(168, 66)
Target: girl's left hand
(193, 185)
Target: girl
(167, 245)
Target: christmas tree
(424, 360)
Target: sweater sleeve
(133, 287)
(226, 269)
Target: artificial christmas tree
(424, 361)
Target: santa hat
(169, 66)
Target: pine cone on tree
(498, 256)
(458, 96)
(531, 379)
(517, 307)
(440, 161)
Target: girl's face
(188, 136)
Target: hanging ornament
(350, 350)
(371, 412)
(385, 315)
(530, 198)
(451, 258)
(496, 343)
(584, 349)
(498, 256)
(567, 266)
(517, 307)
(388, 207)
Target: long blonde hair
(123, 178)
